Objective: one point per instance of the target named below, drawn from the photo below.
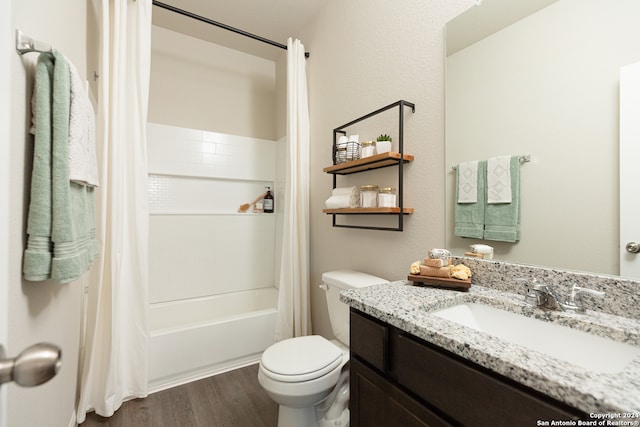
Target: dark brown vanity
(398, 379)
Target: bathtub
(196, 338)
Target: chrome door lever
(36, 365)
(633, 247)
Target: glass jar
(369, 196)
(367, 149)
(387, 197)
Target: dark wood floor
(232, 399)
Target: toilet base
(297, 417)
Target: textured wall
(366, 54)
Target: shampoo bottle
(268, 201)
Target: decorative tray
(440, 282)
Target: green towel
(469, 217)
(61, 222)
(502, 220)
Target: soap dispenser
(268, 201)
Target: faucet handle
(533, 296)
(575, 297)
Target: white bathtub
(196, 338)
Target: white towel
(352, 192)
(83, 164)
(468, 182)
(499, 179)
(337, 202)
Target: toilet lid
(300, 359)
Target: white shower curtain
(293, 299)
(114, 350)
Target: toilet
(307, 375)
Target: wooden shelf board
(356, 211)
(374, 162)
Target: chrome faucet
(546, 296)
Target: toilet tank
(335, 282)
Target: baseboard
(165, 383)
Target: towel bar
(26, 44)
(523, 159)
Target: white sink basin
(579, 348)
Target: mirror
(543, 81)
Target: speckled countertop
(408, 308)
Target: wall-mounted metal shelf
(390, 159)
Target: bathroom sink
(580, 348)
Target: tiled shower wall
(199, 244)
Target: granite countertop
(408, 308)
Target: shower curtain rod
(220, 25)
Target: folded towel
(425, 270)
(341, 191)
(469, 217)
(436, 262)
(352, 194)
(337, 202)
(467, 182)
(499, 180)
(83, 164)
(502, 220)
(61, 221)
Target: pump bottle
(268, 201)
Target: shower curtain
(293, 298)
(114, 349)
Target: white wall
(39, 311)
(548, 86)
(200, 85)
(366, 54)
(6, 53)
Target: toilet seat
(300, 359)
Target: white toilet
(307, 376)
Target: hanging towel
(39, 252)
(83, 164)
(502, 220)
(469, 217)
(61, 240)
(468, 182)
(499, 180)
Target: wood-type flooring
(231, 399)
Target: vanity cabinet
(424, 385)
(383, 160)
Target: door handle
(36, 365)
(633, 247)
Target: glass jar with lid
(369, 196)
(387, 197)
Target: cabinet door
(375, 402)
(468, 394)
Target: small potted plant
(383, 144)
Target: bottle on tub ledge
(268, 204)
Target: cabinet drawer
(369, 340)
(467, 393)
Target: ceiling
(275, 20)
